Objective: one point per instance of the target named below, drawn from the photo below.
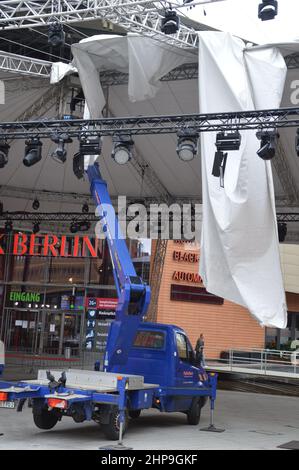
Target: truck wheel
(45, 419)
(193, 414)
(134, 414)
(111, 430)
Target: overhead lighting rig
(268, 10)
(33, 152)
(59, 154)
(226, 141)
(268, 144)
(35, 204)
(282, 231)
(56, 35)
(170, 23)
(187, 145)
(122, 148)
(35, 228)
(80, 226)
(89, 145)
(4, 149)
(8, 226)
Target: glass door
(21, 331)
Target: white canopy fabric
(239, 258)
(240, 252)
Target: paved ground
(251, 421)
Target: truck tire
(134, 414)
(111, 430)
(193, 414)
(45, 419)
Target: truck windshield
(149, 339)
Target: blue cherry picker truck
(146, 365)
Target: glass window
(182, 346)
(149, 339)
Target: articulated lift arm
(133, 294)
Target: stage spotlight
(282, 231)
(268, 10)
(85, 208)
(59, 154)
(187, 145)
(4, 149)
(80, 226)
(226, 141)
(268, 144)
(35, 204)
(56, 35)
(33, 152)
(74, 228)
(170, 23)
(35, 228)
(8, 226)
(89, 145)
(122, 148)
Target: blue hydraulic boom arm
(133, 294)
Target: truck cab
(163, 355)
(2, 358)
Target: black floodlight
(59, 154)
(80, 226)
(56, 35)
(170, 23)
(90, 145)
(268, 144)
(282, 231)
(187, 145)
(33, 152)
(85, 208)
(78, 165)
(226, 141)
(35, 228)
(268, 10)
(122, 148)
(35, 204)
(219, 164)
(8, 226)
(4, 149)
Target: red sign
(51, 245)
(100, 303)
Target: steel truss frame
(144, 125)
(43, 217)
(136, 16)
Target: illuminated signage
(24, 296)
(50, 245)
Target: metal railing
(259, 361)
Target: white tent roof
(177, 178)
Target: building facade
(184, 301)
(51, 285)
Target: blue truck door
(185, 373)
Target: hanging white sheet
(240, 252)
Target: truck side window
(182, 347)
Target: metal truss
(40, 217)
(144, 125)
(14, 63)
(142, 17)
(288, 217)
